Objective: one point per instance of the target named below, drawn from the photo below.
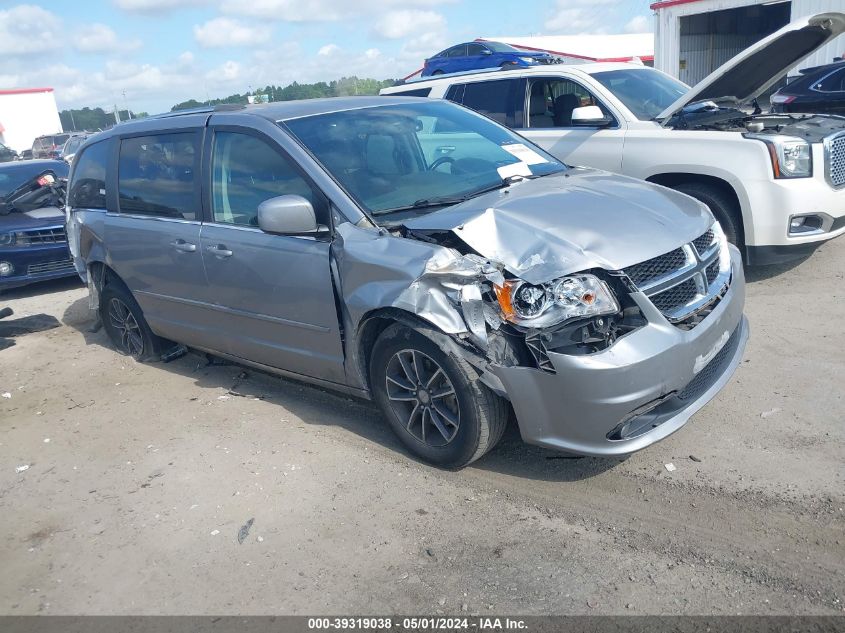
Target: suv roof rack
(206, 109)
(478, 71)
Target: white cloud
(328, 49)
(99, 38)
(225, 73)
(27, 29)
(316, 10)
(398, 24)
(639, 24)
(372, 53)
(580, 16)
(157, 6)
(221, 32)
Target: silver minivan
(417, 253)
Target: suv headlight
(791, 157)
(7, 239)
(551, 303)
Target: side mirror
(288, 215)
(590, 116)
(486, 51)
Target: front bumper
(36, 263)
(640, 390)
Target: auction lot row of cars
(434, 249)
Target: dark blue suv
(475, 55)
(33, 245)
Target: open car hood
(749, 74)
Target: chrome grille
(834, 151)
(686, 283)
(50, 267)
(37, 237)
(656, 267)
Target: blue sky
(161, 52)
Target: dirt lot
(135, 503)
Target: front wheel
(433, 400)
(720, 206)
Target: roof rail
(461, 73)
(206, 109)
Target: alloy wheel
(422, 397)
(126, 327)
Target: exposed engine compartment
(810, 127)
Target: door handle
(219, 250)
(183, 246)
(446, 149)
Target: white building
(694, 37)
(25, 114)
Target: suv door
(548, 123)
(152, 235)
(274, 292)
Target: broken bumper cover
(640, 390)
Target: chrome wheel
(126, 328)
(422, 397)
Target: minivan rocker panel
(606, 310)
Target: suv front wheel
(433, 400)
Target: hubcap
(126, 328)
(422, 396)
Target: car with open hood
(334, 241)
(33, 246)
(774, 181)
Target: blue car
(475, 55)
(33, 243)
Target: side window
(475, 49)
(155, 175)
(246, 171)
(551, 102)
(835, 82)
(501, 100)
(416, 92)
(88, 188)
(457, 51)
(455, 93)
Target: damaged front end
(604, 358)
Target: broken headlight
(543, 305)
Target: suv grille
(55, 235)
(684, 284)
(835, 159)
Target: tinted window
(499, 47)
(456, 51)
(88, 189)
(475, 49)
(156, 175)
(500, 100)
(455, 93)
(246, 171)
(60, 139)
(834, 82)
(416, 92)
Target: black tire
(118, 305)
(720, 205)
(481, 415)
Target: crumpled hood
(750, 73)
(544, 228)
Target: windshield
(417, 155)
(498, 47)
(60, 139)
(644, 91)
(73, 144)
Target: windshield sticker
(515, 169)
(525, 154)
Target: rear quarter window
(88, 187)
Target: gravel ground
(142, 478)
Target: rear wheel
(720, 205)
(434, 401)
(125, 325)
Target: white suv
(775, 182)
